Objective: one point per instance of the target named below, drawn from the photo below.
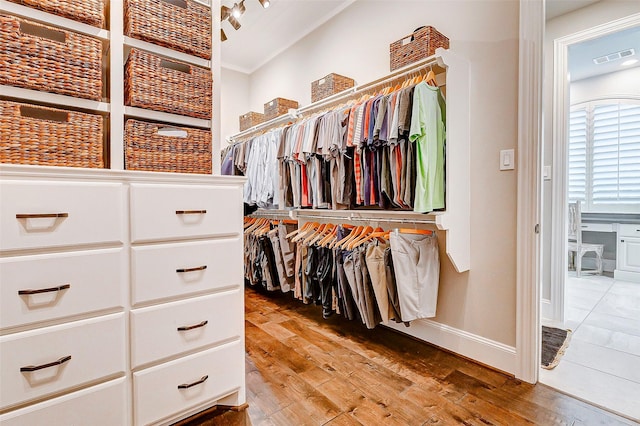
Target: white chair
(576, 245)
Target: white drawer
(161, 331)
(170, 270)
(65, 284)
(598, 227)
(160, 212)
(96, 347)
(86, 213)
(101, 405)
(156, 391)
(628, 230)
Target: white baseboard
(633, 277)
(478, 348)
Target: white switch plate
(507, 159)
(546, 173)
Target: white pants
(417, 268)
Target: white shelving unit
(116, 49)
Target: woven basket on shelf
(330, 85)
(39, 57)
(250, 119)
(167, 85)
(166, 148)
(87, 11)
(32, 134)
(278, 107)
(183, 25)
(421, 44)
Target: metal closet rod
(294, 114)
(352, 218)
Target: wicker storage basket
(166, 85)
(330, 85)
(88, 11)
(166, 148)
(277, 107)
(183, 25)
(39, 57)
(421, 44)
(250, 119)
(31, 134)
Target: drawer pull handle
(585, 226)
(199, 268)
(191, 327)
(41, 215)
(30, 368)
(191, 212)
(188, 385)
(44, 290)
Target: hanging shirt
(428, 133)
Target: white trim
(561, 107)
(478, 348)
(529, 189)
(629, 276)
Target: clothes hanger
(320, 236)
(354, 234)
(376, 233)
(297, 231)
(314, 234)
(255, 226)
(304, 234)
(431, 78)
(329, 237)
(347, 238)
(355, 242)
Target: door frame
(529, 202)
(560, 123)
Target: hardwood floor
(304, 370)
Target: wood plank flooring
(304, 370)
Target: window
(604, 156)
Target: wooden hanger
(305, 233)
(296, 231)
(363, 234)
(324, 242)
(431, 78)
(328, 229)
(312, 235)
(344, 243)
(347, 238)
(255, 225)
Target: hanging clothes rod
(434, 60)
(276, 214)
(354, 217)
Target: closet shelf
(164, 51)
(50, 19)
(147, 114)
(19, 93)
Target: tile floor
(602, 362)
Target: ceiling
(555, 8)
(267, 32)
(581, 55)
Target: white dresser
(121, 296)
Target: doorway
(603, 355)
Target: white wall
(622, 83)
(234, 102)
(355, 43)
(597, 14)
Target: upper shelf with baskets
(148, 60)
(53, 19)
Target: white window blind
(604, 156)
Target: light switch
(546, 173)
(507, 159)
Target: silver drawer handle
(44, 290)
(198, 268)
(40, 215)
(191, 212)
(191, 327)
(188, 385)
(30, 368)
